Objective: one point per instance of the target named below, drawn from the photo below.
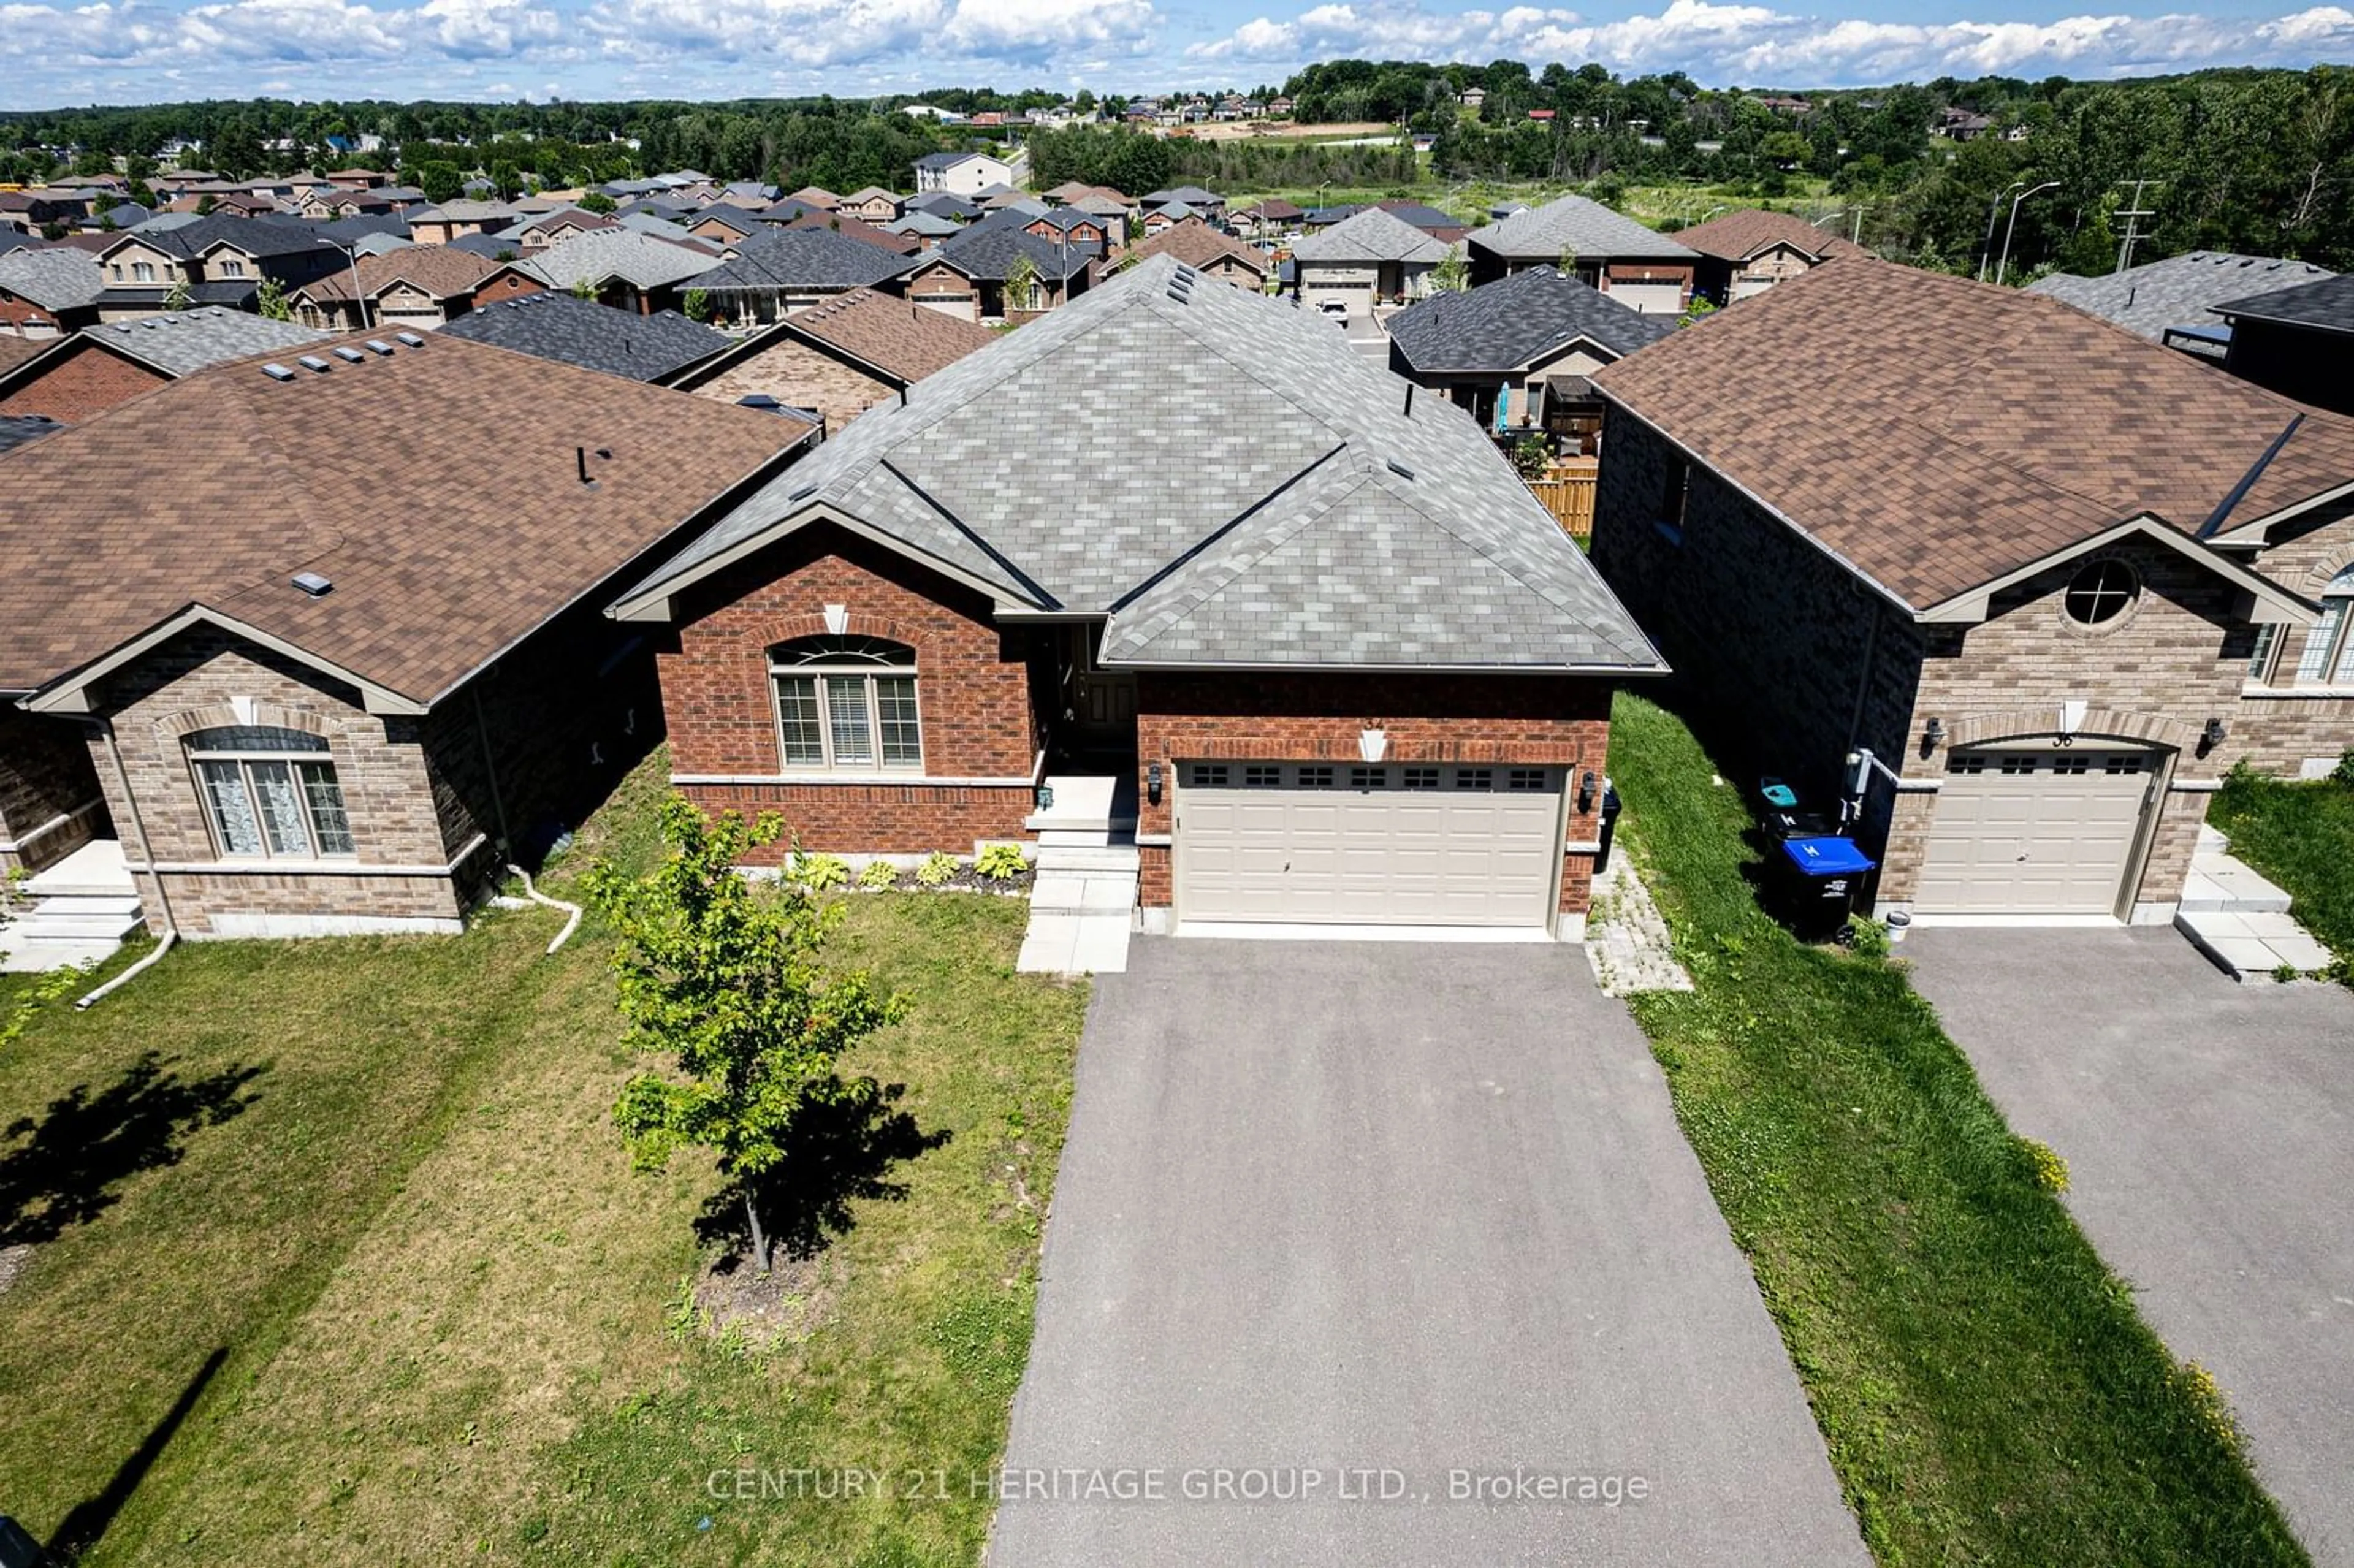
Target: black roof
(236, 293)
(16, 429)
(1516, 321)
(2326, 304)
(490, 245)
(806, 259)
(556, 325)
(944, 204)
(987, 247)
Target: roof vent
(277, 372)
(411, 338)
(378, 345)
(1400, 469)
(803, 493)
(313, 362)
(349, 355)
(311, 583)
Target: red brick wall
(89, 382)
(1525, 719)
(16, 311)
(972, 692)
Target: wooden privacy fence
(1566, 488)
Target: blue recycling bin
(1818, 879)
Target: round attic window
(2101, 592)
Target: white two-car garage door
(2035, 830)
(1339, 843)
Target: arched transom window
(846, 703)
(270, 793)
(2329, 646)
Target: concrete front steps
(1083, 899)
(77, 912)
(2239, 920)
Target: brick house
(76, 378)
(1749, 251)
(413, 286)
(220, 260)
(2055, 578)
(1214, 255)
(289, 702)
(1368, 257)
(839, 358)
(49, 292)
(1040, 594)
(780, 270)
(1644, 268)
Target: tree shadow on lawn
(62, 1170)
(844, 1148)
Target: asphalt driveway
(2209, 1129)
(1344, 1233)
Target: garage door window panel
(846, 703)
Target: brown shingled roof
(441, 271)
(1937, 434)
(433, 577)
(1737, 236)
(1197, 244)
(904, 341)
(16, 350)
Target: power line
(2133, 215)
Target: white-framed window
(2330, 647)
(2260, 657)
(232, 267)
(846, 703)
(142, 272)
(270, 793)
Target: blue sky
(82, 51)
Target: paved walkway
(1082, 906)
(1351, 1219)
(2209, 1130)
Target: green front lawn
(348, 1265)
(1987, 1392)
(2301, 837)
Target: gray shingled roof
(2181, 290)
(1515, 321)
(1372, 235)
(1578, 225)
(1313, 524)
(181, 343)
(986, 250)
(596, 337)
(63, 279)
(2326, 304)
(16, 429)
(804, 258)
(640, 260)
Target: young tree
(595, 201)
(1021, 284)
(1453, 275)
(729, 980)
(177, 298)
(696, 306)
(271, 300)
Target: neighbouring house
(625, 269)
(726, 225)
(921, 225)
(16, 430)
(1211, 206)
(333, 203)
(456, 220)
(2173, 301)
(46, 292)
(1749, 251)
(1210, 253)
(1517, 353)
(76, 378)
(1989, 558)
(854, 228)
(941, 204)
(1444, 227)
(553, 326)
(787, 270)
(1323, 658)
(1642, 268)
(1071, 226)
(1273, 214)
(2298, 341)
(218, 260)
(534, 234)
(872, 205)
(838, 358)
(969, 273)
(416, 286)
(818, 197)
(294, 697)
(1372, 255)
(960, 174)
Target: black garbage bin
(1816, 880)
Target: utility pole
(2133, 215)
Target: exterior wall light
(1933, 737)
(1152, 783)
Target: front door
(1099, 704)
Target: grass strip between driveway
(1986, 1390)
(2301, 836)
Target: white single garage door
(2034, 831)
(1649, 299)
(1337, 843)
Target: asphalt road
(2209, 1130)
(1344, 1233)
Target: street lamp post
(1986, 249)
(359, 298)
(2009, 228)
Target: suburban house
(622, 267)
(556, 325)
(1071, 226)
(1211, 254)
(455, 219)
(923, 227)
(1644, 268)
(536, 234)
(279, 696)
(838, 358)
(1372, 255)
(75, 379)
(817, 196)
(47, 292)
(1749, 251)
(218, 260)
(942, 203)
(1988, 559)
(860, 230)
(967, 274)
(1323, 658)
(1211, 206)
(874, 204)
(417, 285)
(774, 274)
(726, 225)
(1517, 353)
(2173, 301)
(2298, 341)
(960, 174)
